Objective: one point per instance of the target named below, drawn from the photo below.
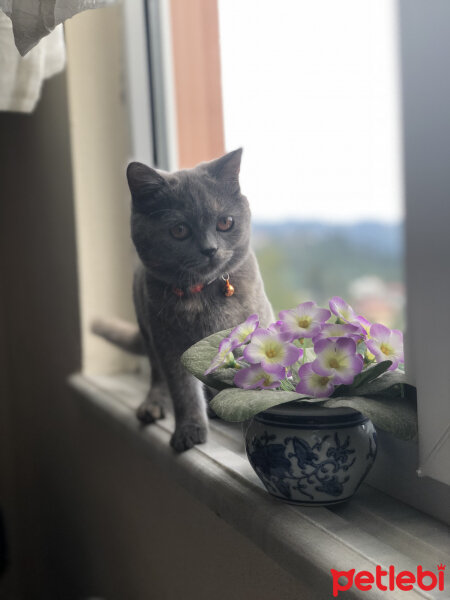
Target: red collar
(194, 289)
(228, 289)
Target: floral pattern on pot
(312, 467)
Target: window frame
(423, 41)
(149, 80)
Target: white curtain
(34, 19)
(33, 28)
(21, 78)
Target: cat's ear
(227, 167)
(143, 181)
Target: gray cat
(191, 230)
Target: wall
(39, 343)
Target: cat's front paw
(152, 408)
(148, 412)
(188, 435)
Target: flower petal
(253, 353)
(276, 327)
(243, 332)
(292, 355)
(313, 384)
(337, 358)
(322, 345)
(255, 377)
(259, 335)
(386, 345)
(346, 345)
(225, 347)
(322, 314)
(341, 309)
(305, 320)
(335, 330)
(363, 325)
(347, 375)
(319, 368)
(274, 368)
(380, 332)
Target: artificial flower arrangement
(330, 357)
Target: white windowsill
(373, 529)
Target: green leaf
(397, 416)
(199, 356)
(369, 374)
(391, 383)
(287, 385)
(238, 405)
(294, 370)
(221, 379)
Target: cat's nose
(209, 251)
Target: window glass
(310, 91)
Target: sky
(310, 92)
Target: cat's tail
(123, 334)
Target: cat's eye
(181, 231)
(224, 223)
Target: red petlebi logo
(388, 580)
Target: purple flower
(224, 355)
(363, 324)
(242, 333)
(305, 320)
(312, 384)
(386, 344)
(273, 350)
(337, 330)
(278, 326)
(337, 358)
(255, 377)
(341, 309)
(345, 313)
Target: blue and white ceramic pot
(311, 456)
